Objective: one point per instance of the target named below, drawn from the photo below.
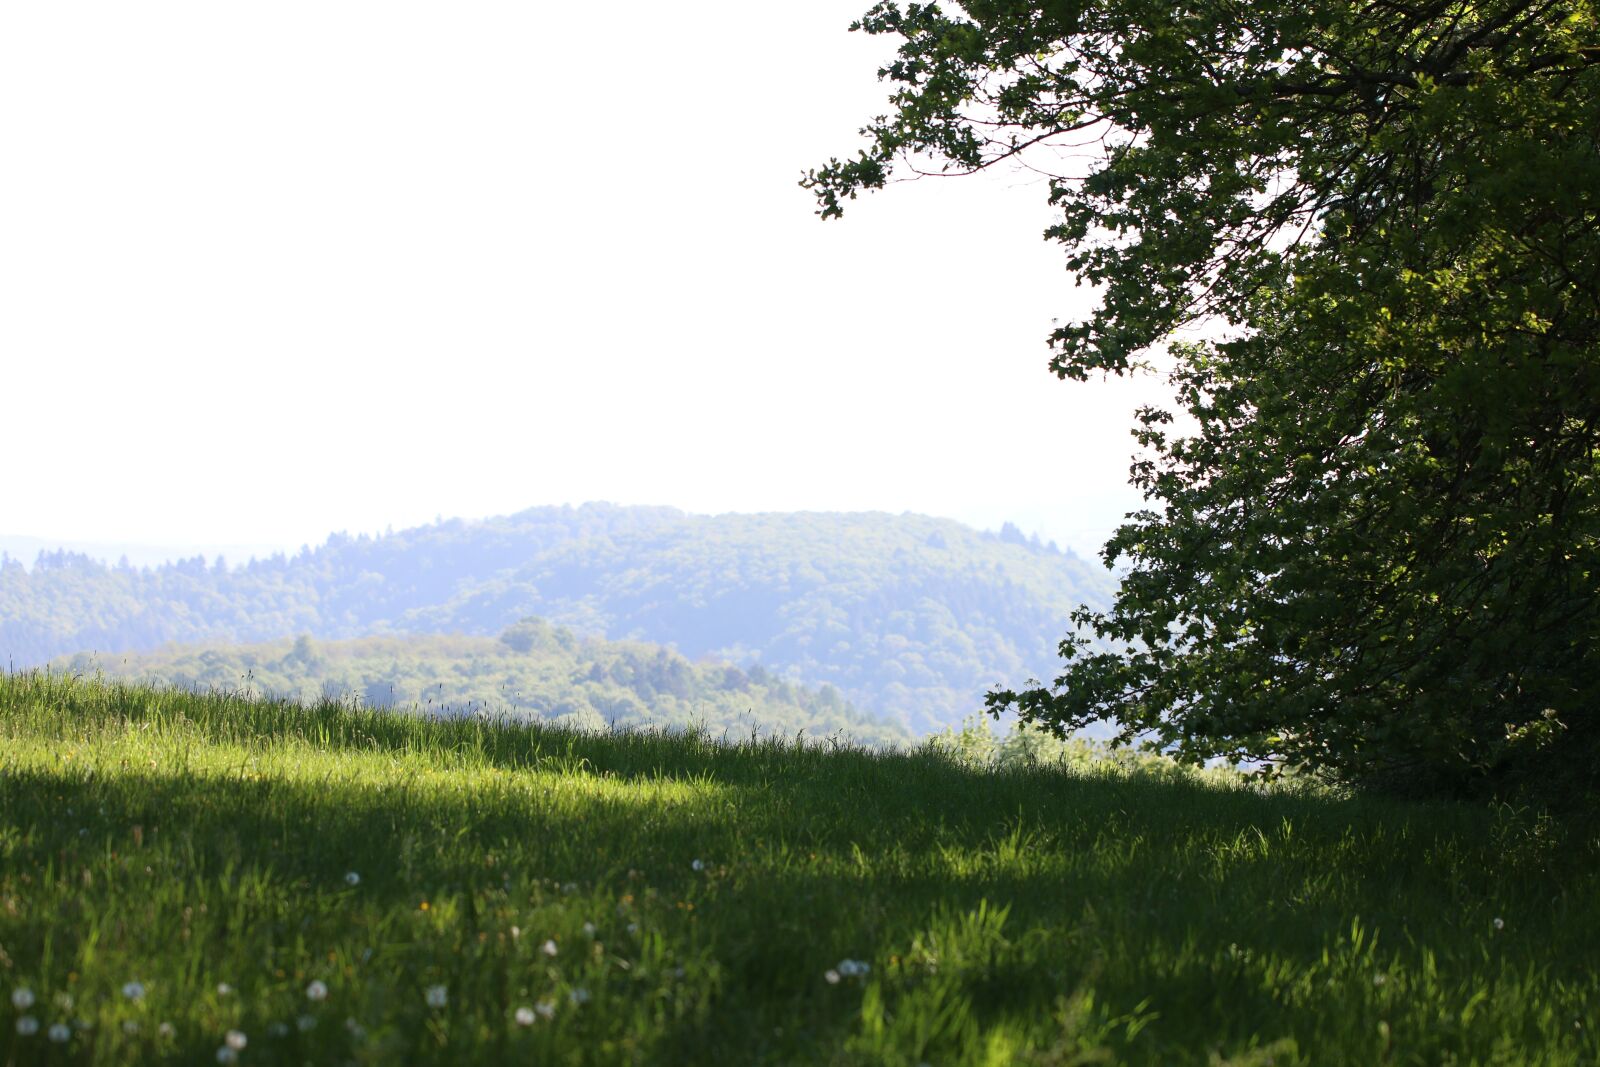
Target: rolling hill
(909, 617)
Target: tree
(1374, 554)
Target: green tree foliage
(1374, 553)
(534, 672)
(909, 617)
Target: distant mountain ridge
(908, 616)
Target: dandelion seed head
(437, 996)
(27, 1025)
(1499, 923)
(589, 929)
(227, 1055)
(165, 1030)
(1379, 979)
(525, 1016)
(579, 995)
(317, 990)
(549, 948)
(60, 1033)
(236, 1040)
(133, 990)
(352, 878)
(831, 976)
(545, 1009)
(698, 865)
(224, 989)
(22, 998)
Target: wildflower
(227, 1055)
(22, 998)
(236, 1040)
(633, 928)
(589, 929)
(516, 932)
(224, 989)
(525, 1016)
(317, 991)
(306, 1023)
(133, 990)
(437, 996)
(165, 1030)
(27, 1025)
(60, 1033)
(831, 976)
(549, 948)
(1499, 923)
(352, 878)
(698, 865)
(545, 1009)
(579, 995)
(1379, 979)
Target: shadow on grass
(1148, 891)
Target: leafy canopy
(1374, 552)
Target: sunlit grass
(325, 884)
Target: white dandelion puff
(60, 1033)
(1499, 923)
(236, 1040)
(831, 976)
(317, 990)
(133, 990)
(579, 995)
(698, 865)
(589, 929)
(27, 1025)
(352, 878)
(22, 998)
(437, 996)
(165, 1030)
(549, 948)
(227, 1055)
(525, 1016)
(545, 1009)
(224, 989)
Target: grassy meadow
(200, 879)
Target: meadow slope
(325, 884)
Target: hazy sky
(272, 270)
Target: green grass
(1020, 916)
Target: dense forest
(533, 671)
(909, 617)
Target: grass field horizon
(201, 878)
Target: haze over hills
(532, 672)
(909, 617)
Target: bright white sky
(272, 270)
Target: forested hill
(909, 616)
(533, 671)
